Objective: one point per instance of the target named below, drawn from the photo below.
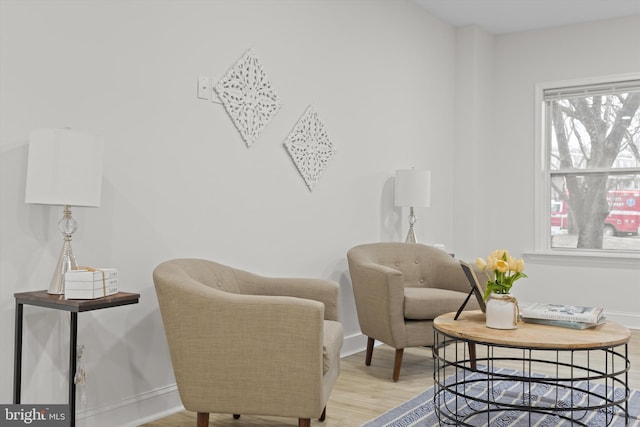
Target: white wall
(178, 179)
(385, 77)
(505, 155)
(474, 89)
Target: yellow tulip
(491, 262)
(518, 266)
(506, 270)
(500, 253)
(502, 266)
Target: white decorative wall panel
(309, 146)
(248, 96)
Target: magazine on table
(565, 323)
(572, 313)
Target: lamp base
(66, 260)
(411, 235)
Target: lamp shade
(64, 168)
(413, 188)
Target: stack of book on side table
(90, 283)
(567, 316)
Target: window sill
(572, 257)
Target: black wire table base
(511, 385)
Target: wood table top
(58, 302)
(470, 326)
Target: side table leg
(17, 355)
(73, 348)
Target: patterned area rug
(420, 410)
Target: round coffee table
(528, 373)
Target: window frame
(543, 251)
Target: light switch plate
(204, 87)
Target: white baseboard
(133, 411)
(353, 344)
(630, 320)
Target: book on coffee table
(571, 313)
(565, 323)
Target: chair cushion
(429, 303)
(332, 344)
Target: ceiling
(508, 16)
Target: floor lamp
(412, 189)
(64, 168)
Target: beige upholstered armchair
(399, 288)
(246, 344)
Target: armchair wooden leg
(370, 343)
(472, 354)
(203, 419)
(304, 422)
(397, 363)
(323, 415)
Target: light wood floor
(364, 392)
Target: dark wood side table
(57, 302)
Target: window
(591, 166)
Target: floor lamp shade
(64, 168)
(413, 188)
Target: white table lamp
(64, 168)
(412, 189)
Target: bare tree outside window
(594, 166)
